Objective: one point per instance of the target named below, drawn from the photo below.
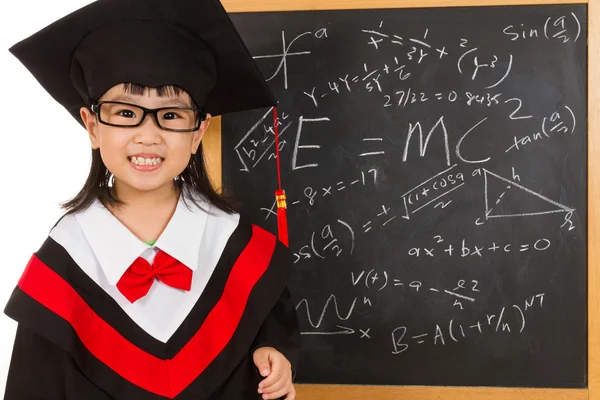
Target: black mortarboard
(187, 43)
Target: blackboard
(435, 167)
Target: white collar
(116, 247)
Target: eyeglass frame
(95, 108)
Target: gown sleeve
(36, 369)
(281, 330)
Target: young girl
(151, 286)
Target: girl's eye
(126, 113)
(171, 115)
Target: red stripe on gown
(166, 378)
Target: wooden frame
(212, 147)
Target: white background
(44, 154)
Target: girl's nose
(148, 132)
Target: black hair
(194, 177)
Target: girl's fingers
(271, 379)
(280, 384)
(277, 394)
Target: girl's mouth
(145, 164)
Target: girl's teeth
(146, 161)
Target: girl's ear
(199, 134)
(91, 124)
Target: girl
(151, 286)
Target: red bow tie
(139, 277)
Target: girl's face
(143, 158)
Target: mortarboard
(191, 44)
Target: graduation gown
(74, 341)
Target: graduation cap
(191, 44)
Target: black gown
(74, 342)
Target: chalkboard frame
(212, 148)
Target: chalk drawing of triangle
(505, 198)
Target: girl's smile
(146, 162)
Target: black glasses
(125, 115)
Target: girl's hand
(278, 373)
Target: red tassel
(282, 226)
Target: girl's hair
(98, 183)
